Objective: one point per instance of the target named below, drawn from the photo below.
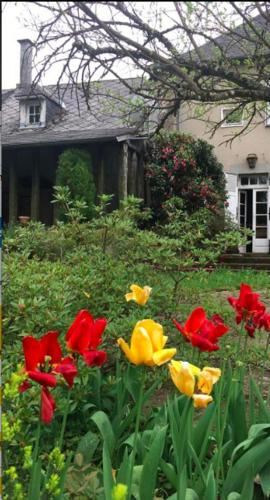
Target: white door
(231, 187)
(260, 240)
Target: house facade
(38, 124)
(246, 162)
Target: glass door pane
(261, 214)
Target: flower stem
(64, 421)
(137, 424)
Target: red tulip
(84, 336)
(47, 406)
(43, 360)
(248, 308)
(201, 332)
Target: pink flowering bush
(179, 165)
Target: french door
(260, 240)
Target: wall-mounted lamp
(252, 160)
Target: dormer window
(34, 114)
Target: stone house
(37, 125)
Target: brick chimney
(26, 62)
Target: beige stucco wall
(232, 157)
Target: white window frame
(225, 124)
(25, 113)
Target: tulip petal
(205, 382)
(141, 347)
(214, 372)
(32, 352)
(155, 332)
(68, 370)
(47, 406)
(50, 347)
(46, 379)
(182, 377)
(126, 350)
(75, 327)
(203, 343)
(162, 356)
(195, 320)
(95, 358)
(24, 386)
(201, 400)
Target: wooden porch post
(100, 186)
(133, 174)
(13, 194)
(35, 193)
(123, 174)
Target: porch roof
(73, 120)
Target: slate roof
(237, 46)
(72, 121)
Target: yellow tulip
(201, 400)
(183, 376)
(119, 492)
(214, 372)
(140, 295)
(146, 346)
(207, 378)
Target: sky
(13, 29)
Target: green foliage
(74, 171)
(74, 209)
(52, 273)
(178, 165)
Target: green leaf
(150, 465)
(257, 455)
(265, 479)
(34, 490)
(108, 482)
(103, 423)
(169, 471)
(263, 410)
(234, 496)
(210, 490)
(182, 484)
(200, 433)
(191, 494)
(237, 413)
(87, 446)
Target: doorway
(254, 210)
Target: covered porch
(29, 172)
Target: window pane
(253, 180)
(32, 109)
(242, 209)
(233, 116)
(242, 221)
(261, 208)
(261, 220)
(32, 119)
(261, 232)
(37, 118)
(262, 179)
(37, 109)
(242, 197)
(261, 196)
(244, 181)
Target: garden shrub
(178, 165)
(74, 171)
